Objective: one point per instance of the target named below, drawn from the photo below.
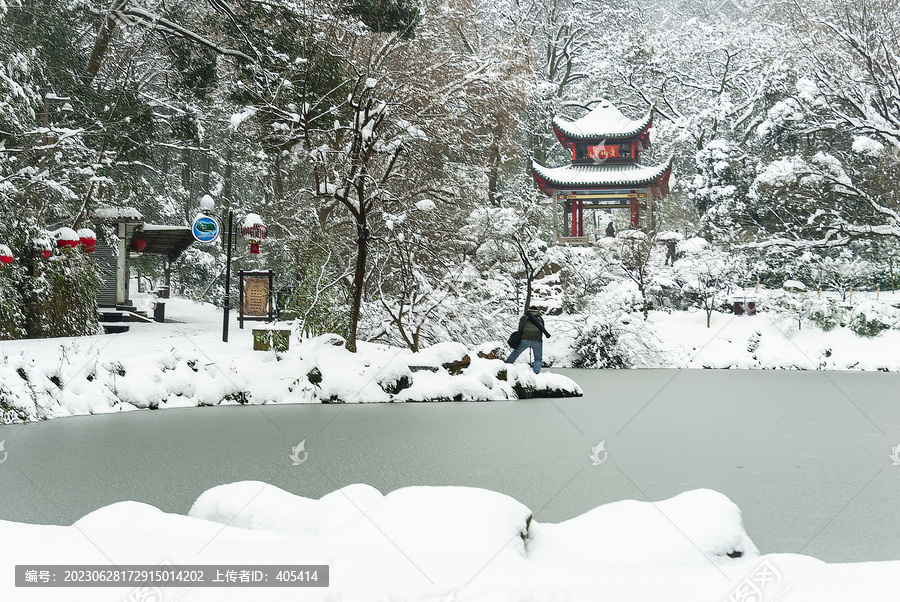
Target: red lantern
(41, 248)
(254, 232)
(66, 239)
(6, 256)
(138, 243)
(87, 239)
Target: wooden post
(851, 296)
(820, 292)
(877, 293)
(241, 298)
(757, 286)
(271, 296)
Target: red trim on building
(563, 139)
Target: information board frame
(243, 278)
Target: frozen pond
(806, 455)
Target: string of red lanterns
(67, 239)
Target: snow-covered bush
(824, 313)
(12, 320)
(621, 341)
(61, 298)
(616, 335)
(50, 297)
(597, 345)
(869, 319)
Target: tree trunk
(227, 185)
(164, 168)
(493, 174)
(362, 249)
(204, 171)
(279, 179)
(528, 279)
(186, 181)
(101, 44)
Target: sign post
(226, 302)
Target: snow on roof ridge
(608, 174)
(605, 120)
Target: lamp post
(226, 303)
(211, 227)
(253, 230)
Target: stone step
(112, 315)
(114, 328)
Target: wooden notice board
(256, 296)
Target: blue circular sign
(205, 228)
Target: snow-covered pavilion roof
(579, 176)
(603, 122)
(118, 213)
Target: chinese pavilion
(605, 172)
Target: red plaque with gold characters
(605, 151)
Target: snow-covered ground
(440, 544)
(772, 339)
(184, 362)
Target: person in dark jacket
(670, 253)
(531, 325)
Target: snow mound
(691, 528)
(448, 530)
(457, 523)
(257, 505)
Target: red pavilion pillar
(577, 218)
(574, 218)
(635, 213)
